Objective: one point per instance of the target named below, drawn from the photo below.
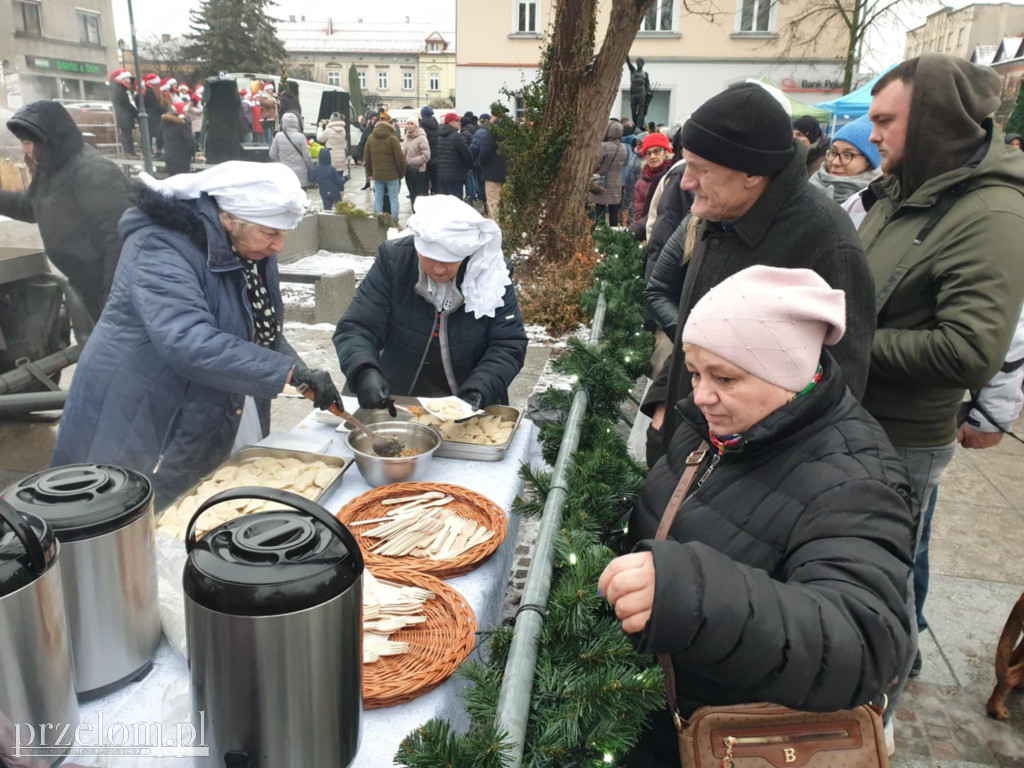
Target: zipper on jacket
(169, 434)
(711, 468)
(446, 360)
(426, 351)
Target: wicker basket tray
(436, 648)
(466, 504)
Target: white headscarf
(447, 229)
(268, 194)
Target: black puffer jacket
(672, 209)
(391, 321)
(76, 197)
(785, 574)
(453, 157)
(493, 163)
(430, 127)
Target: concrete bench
(333, 291)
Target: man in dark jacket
(76, 197)
(453, 158)
(493, 163)
(942, 238)
(755, 206)
(125, 110)
(430, 127)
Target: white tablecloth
(163, 695)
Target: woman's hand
(628, 584)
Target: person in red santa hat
(125, 110)
(151, 83)
(247, 117)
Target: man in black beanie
(752, 205)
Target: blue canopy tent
(853, 105)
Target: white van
(309, 97)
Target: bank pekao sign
(66, 66)
(807, 85)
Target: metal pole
(18, 405)
(517, 683)
(19, 378)
(147, 159)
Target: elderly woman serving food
(190, 339)
(436, 315)
(782, 575)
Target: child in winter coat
(331, 182)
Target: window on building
(949, 41)
(433, 47)
(520, 107)
(88, 28)
(333, 77)
(659, 17)
(756, 15)
(26, 18)
(407, 81)
(527, 21)
(435, 81)
(362, 79)
(960, 36)
(382, 81)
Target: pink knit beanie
(770, 322)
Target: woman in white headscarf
(437, 313)
(190, 339)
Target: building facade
(960, 32)
(689, 58)
(399, 64)
(57, 49)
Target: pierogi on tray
(479, 430)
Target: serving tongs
(388, 447)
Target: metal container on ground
(380, 470)
(103, 517)
(273, 614)
(37, 683)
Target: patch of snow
(298, 295)
(323, 262)
(550, 378)
(294, 326)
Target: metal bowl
(380, 470)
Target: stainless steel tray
(450, 449)
(246, 455)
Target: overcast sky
(885, 46)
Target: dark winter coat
(383, 157)
(785, 574)
(179, 144)
(474, 145)
(468, 131)
(153, 110)
(645, 186)
(454, 160)
(76, 197)
(391, 321)
(611, 157)
(791, 225)
(493, 163)
(162, 381)
(289, 102)
(330, 182)
(430, 127)
(125, 110)
(672, 209)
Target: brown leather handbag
(762, 735)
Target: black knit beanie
(809, 127)
(743, 128)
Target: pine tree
(235, 36)
(355, 91)
(1015, 123)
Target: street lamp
(147, 159)
(120, 47)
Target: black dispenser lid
(270, 563)
(81, 501)
(27, 547)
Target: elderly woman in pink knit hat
(776, 567)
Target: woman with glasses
(189, 349)
(658, 159)
(851, 162)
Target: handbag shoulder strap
(693, 462)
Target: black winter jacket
(391, 321)
(430, 127)
(76, 197)
(179, 144)
(453, 157)
(493, 164)
(791, 225)
(785, 574)
(125, 110)
(672, 209)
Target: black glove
(473, 398)
(321, 384)
(373, 391)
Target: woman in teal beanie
(851, 162)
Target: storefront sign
(805, 85)
(64, 66)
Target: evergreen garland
(592, 692)
(1015, 122)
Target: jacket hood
(290, 123)
(324, 158)
(446, 130)
(614, 132)
(429, 122)
(50, 127)
(950, 101)
(383, 128)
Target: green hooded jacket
(947, 305)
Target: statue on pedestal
(640, 92)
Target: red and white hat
(243, 93)
(183, 87)
(151, 79)
(165, 85)
(198, 92)
(269, 87)
(120, 76)
(172, 81)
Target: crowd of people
(822, 306)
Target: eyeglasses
(845, 157)
(654, 150)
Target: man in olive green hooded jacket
(942, 236)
